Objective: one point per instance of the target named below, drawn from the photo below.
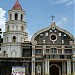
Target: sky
(39, 12)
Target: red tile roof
(17, 6)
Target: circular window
(53, 37)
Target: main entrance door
(55, 70)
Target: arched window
(38, 69)
(0, 29)
(21, 17)
(7, 28)
(22, 28)
(7, 39)
(14, 38)
(13, 53)
(16, 16)
(10, 16)
(53, 50)
(4, 53)
(16, 27)
(21, 39)
(12, 27)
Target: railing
(57, 56)
(38, 54)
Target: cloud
(29, 35)
(63, 20)
(2, 19)
(67, 2)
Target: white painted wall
(13, 49)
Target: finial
(52, 17)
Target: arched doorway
(55, 69)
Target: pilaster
(44, 49)
(13, 18)
(62, 49)
(43, 68)
(47, 67)
(68, 67)
(74, 67)
(19, 16)
(33, 60)
(63, 68)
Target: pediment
(50, 32)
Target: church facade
(51, 50)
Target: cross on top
(52, 17)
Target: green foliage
(71, 74)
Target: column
(73, 50)
(74, 67)
(62, 49)
(47, 67)
(13, 16)
(68, 67)
(19, 16)
(63, 68)
(44, 63)
(43, 68)
(33, 60)
(24, 17)
(44, 49)
(33, 68)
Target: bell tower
(15, 32)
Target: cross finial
(52, 17)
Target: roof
(17, 6)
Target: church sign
(18, 70)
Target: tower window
(14, 38)
(7, 28)
(0, 29)
(4, 53)
(7, 39)
(21, 17)
(13, 53)
(16, 16)
(10, 16)
(12, 27)
(22, 28)
(16, 27)
(21, 39)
